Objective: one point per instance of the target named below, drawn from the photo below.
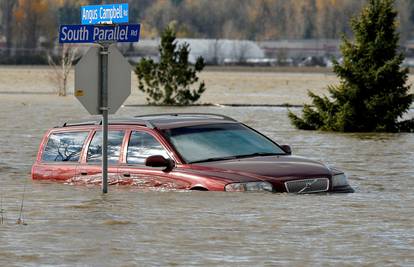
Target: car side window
(65, 146)
(141, 146)
(114, 147)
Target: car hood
(264, 168)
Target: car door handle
(127, 175)
(84, 173)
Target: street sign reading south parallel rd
(99, 33)
(115, 13)
(87, 80)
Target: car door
(142, 144)
(90, 170)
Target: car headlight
(339, 180)
(250, 186)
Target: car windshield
(215, 142)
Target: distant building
(223, 51)
(301, 48)
(214, 51)
(312, 52)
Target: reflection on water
(76, 225)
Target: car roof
(159, 121)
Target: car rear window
(115, 139)
(65, 146)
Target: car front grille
(312, 185)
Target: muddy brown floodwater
(78, 226)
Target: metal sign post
(103, 75)
(104, 109)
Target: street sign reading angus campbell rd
(115, 13)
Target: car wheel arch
(198, 188)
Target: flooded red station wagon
(181, 152)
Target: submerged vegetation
(373, 91)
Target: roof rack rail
(111, 122)
(82, 122)
(132, 121)
(187, 114)
(143, 119)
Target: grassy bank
(225, 85)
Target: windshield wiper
(238, 157)
(256, 154)
(213, 159)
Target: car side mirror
(287, 149)
(159, 161)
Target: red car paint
(212, 176)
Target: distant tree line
(33, 24)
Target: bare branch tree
(214, 53)
(62, 68)
(241, 50)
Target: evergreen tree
(168, 82)
(373, 91)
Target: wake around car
(181, 152)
